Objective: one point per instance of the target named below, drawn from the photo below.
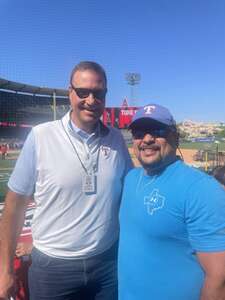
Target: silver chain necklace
(138, 187)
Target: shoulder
(114, 137)
(208, 186)
(201, 188)
(189, 174)
(114, 131)
(133, 174)
(46, 126)
(190, 183)
(131, 180)
(46, 129)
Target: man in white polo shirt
(75, 168)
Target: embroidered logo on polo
(106, 151)
(154, 202)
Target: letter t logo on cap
(149, 109)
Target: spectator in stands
(219, 174)
(172, 220)
(76, 167)
(4, 150)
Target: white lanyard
(95, 164)
(89, 181)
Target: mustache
(151, 147)
(92, 108)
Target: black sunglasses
(84, 93)
(155, 132)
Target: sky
(177, 47)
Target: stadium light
(132, 79)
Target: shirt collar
(101, 129)
(83, 134)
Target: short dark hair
(89, 65)
(219, 174)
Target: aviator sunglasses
(139, 133)
(84, 93)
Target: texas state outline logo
(154, 202)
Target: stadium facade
(23, 106)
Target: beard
(153, 158)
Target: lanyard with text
(89, 181)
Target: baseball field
(188, 151)
(6, 167)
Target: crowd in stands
(11, 144)
(4, 150)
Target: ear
(70, 91)
(70, 94)
(177, 138)
(174, 139)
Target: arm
(213, 263)
(21, 185)
(205, 219)
(11, 225)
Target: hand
(7, 287)
(23, 249)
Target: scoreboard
(119, 117)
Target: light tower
(132, 79)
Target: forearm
(213, 289)
(11, 225)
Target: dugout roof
(31, 89)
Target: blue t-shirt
(164, 221)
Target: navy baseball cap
(153, 114)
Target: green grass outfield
(203, 146)
(6, 167)
(200, 146)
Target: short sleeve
(23, 177)
(128, 161)
(205, 215)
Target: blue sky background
(178, 47)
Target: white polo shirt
(69, 223)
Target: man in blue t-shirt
(172, 220)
